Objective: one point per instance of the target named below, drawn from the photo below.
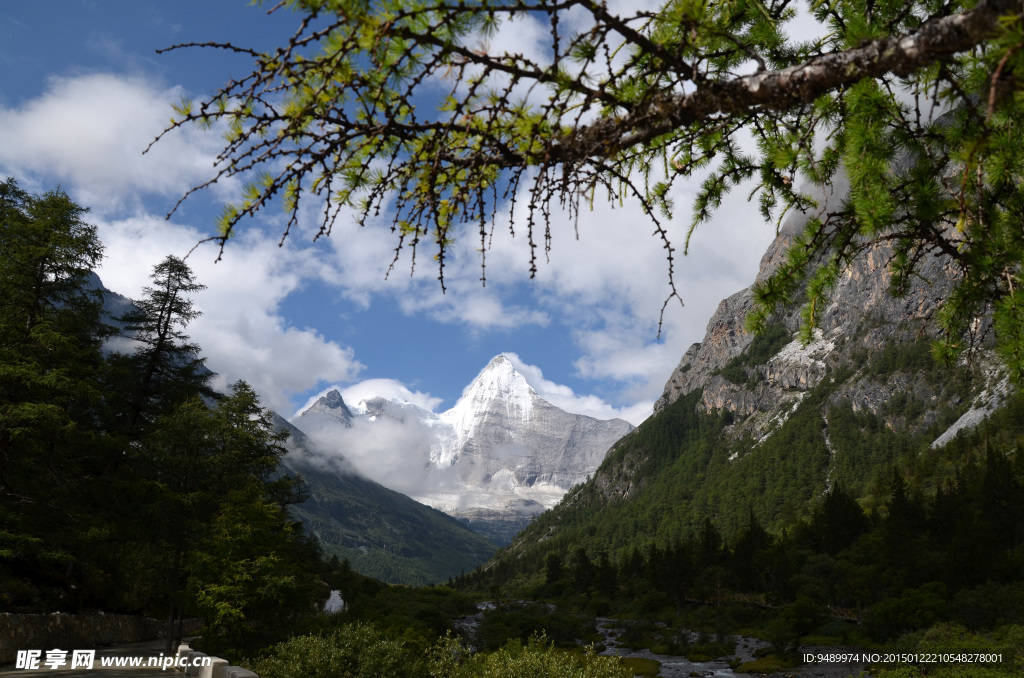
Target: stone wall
(72, 631)
(218, 668)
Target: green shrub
(953, 639)
(350, 651)
(989, 605)
(709, 651)
(914, 609)
(734, 372)
(538, 658)
(640, 666)
(520, 622)
(638, 633)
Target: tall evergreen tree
(157, 385)
(582, 570)
(192, 461)
(1002, 512)
(553, 572)
(166, 368)
(837, 521)
(251, 572)
(749, 554)
(50, 338)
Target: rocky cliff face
(862, 320)
(764, 426)
(328, 408)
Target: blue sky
(82, 92)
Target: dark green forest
(127, 484)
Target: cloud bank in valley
(395, 454)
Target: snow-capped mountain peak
(331, 404)
(501, 454)
(498, 382)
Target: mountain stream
(673, 666)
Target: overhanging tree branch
(937, 40)
(401, 108)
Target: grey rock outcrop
(329, 407)
(862, 319)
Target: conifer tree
(582, 571)
(200, 459)
(50, 338)
(553, 568)
(152, 395)
(749, 554)
(249, 577)
(838, 521)
(165, 369)
(902, 529)
(1002, 511)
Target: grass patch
(765, 665)
(709, 652)
(639, 666)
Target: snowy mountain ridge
(500, 455)
(498, 385)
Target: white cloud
(242, 331)
(604, 289)
(391, 389)
(90, 131)
(470, 305)
(395, 454)
(607, 287)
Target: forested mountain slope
(383, 533)
(764, 452)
